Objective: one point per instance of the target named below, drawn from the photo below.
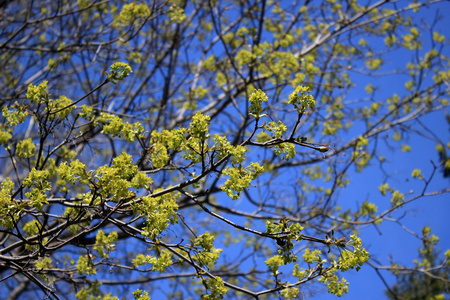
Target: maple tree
(199, 148)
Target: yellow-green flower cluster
(159, 263)
(256, 99)
(301, 99)
(118, 71)
(240, 179)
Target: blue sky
(394, 241)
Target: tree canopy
(208, 149)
